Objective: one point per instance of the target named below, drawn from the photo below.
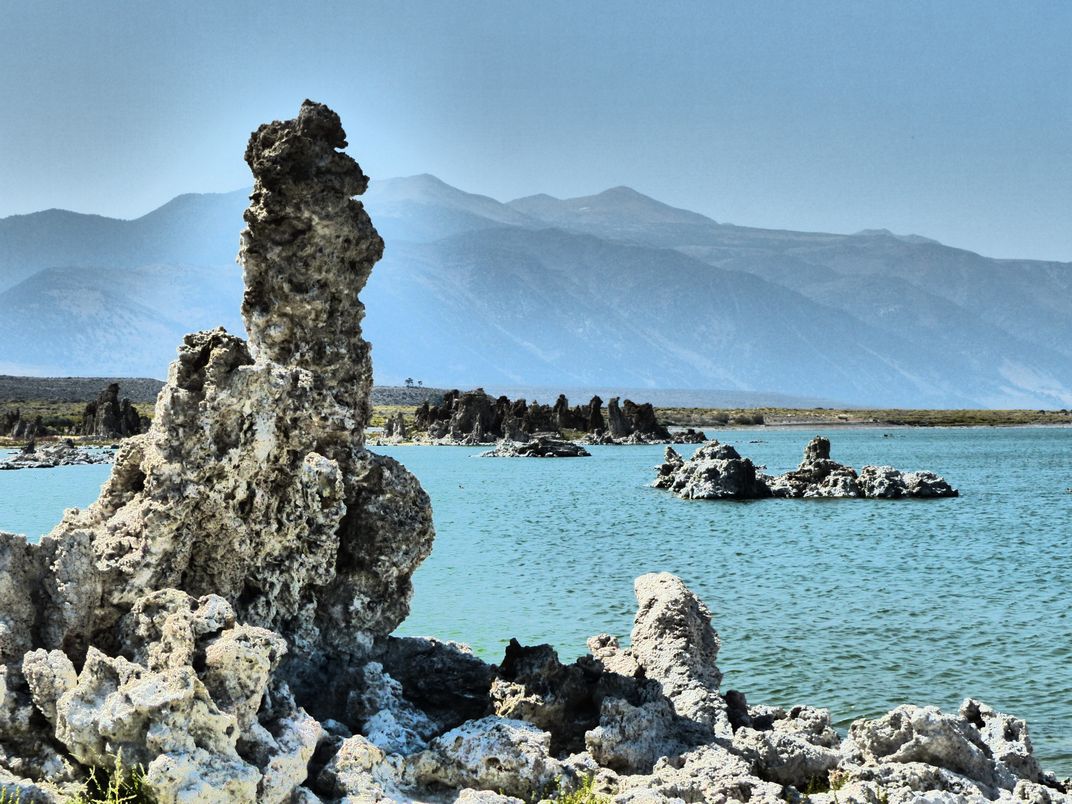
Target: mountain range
(610, 290)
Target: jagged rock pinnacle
(307, 251)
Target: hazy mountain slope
(584, 310)
(114, 321)
(190, 229)
(423, 209)
(614, 290)
(1028, 299)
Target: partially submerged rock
(714, 472)
(50, 456)
(539, 447)
(717, 472)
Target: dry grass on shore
(892, 417)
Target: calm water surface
(854, 605)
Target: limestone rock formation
(395, 428)
(714, 472)
(688, 435)
(820, 476)
(14, 425)
(107, 417)
(474, 417)
(717, 472)
(252, 486)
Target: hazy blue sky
(949, 119)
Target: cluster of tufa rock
(718, 472)
(14, 425)
(247, 550)
(221, 615)
(49, 456)
(108, 417)
(474, 417)
(105, 417)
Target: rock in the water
(717, 472)
(714, 472)
(540, 447)
(62, 453)
(688, 436)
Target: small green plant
(9, 796)
(584, 793)
(120, 785)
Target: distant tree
(409, 382)
(420, 383)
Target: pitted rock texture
(253, 488)
(253, 483)
(717, 472)
(714, 472)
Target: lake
(855, 605)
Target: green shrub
(120, 785)
(584, 793)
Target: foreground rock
(49, 456)
(540, 447)
(717, 472)
(247, 550)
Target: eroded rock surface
(474, 417)
(718, 472)
(252, 487)
(714, 472)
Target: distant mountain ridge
(614, 290)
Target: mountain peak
(624, 192)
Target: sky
(947, 119)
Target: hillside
(614, 290)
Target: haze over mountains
(610, 290)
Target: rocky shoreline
(222, 615)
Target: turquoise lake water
(855, 605)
